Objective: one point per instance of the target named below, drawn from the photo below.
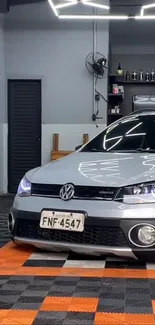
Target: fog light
(146, 235)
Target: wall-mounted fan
(97, 65)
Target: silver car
(98, 200)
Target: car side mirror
(78, 147)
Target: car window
(128, 134)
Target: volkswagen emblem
(67, 192)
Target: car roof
(143, 111)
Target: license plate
(62, 221)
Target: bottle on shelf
(113, 110)
(152, 75)
(141, 75)
(147, 76)
(117, 109)
(119, 70)
(127, 76)
(134, 75)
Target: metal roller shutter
(24, 129)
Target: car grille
(93, 235)
(81, 192)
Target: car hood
(97, 169)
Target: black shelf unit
(115, 95)
(121, 80)
(125, 101)
(138, 82)
(112, 117)
(115, 114)
(114, 100)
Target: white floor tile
(150, 266)
(94, 264)
(75, 263)
(84, 264)
(49, 256)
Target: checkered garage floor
(43, 288)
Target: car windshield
(134, 133)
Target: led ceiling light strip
(68, 4)
(148, 17)
(95, 5)
(142, 16)
(53, 7)
(98, 17)
(95, 17)
(152, 5)
(86, 17)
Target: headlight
(136, 194)
(24, 188)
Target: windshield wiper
(95, 150)
(145, 150)
(120, 151)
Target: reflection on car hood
(97, 169)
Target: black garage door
(24, 129)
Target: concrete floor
(44, 288)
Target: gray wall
(37, 45)
(132, 44)
(2, 103)
(58, 57)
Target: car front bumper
(102, 236)
(77, 248)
